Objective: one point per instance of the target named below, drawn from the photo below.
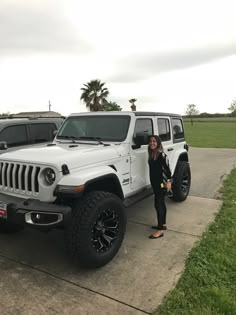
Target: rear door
(171, 132)
(178, 137)
(165, 133)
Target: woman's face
(153, 144)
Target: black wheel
(96, 230)
(7, 227)
(181, 181)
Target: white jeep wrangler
(81, 182)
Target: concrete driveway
(37, 278)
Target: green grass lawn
(208, 284)
(211, 134)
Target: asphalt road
(37, 277)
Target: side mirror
(140, 139)
(3, 145)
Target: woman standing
(160, 178)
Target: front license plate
(3, 210)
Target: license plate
(3, 210)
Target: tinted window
(163, 128)
(178, 131)
(107, 128)
(42, 132)
(14, 135)
(144, 126)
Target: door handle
(170, 149)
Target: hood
(74, 155)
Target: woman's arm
(166, 171)
(165, 165)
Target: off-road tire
(7, 227)
(89, 214)
(181, 181)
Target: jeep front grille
(19, 177)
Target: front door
(139, 157)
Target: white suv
(96, 164)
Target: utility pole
(49, 105)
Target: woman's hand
(168, 186)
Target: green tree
(133, 106)
(111, 106)
(232, 107)
(191, 111)
(5, 115)
(94, 95)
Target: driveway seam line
(210, 198)
(72, 283)
(143, 224)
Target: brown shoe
(154, 237)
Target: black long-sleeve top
(159, 171)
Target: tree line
(192, 110)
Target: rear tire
(181, 181)
(96, 230)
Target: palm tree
(133, 106)
(94, 95)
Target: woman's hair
(159, 147)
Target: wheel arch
(179, 157)
(183, 157)
(108, 182)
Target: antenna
(49, 105)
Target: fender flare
(105, 178)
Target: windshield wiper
(92, 138)
(72, 138)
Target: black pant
(160, 206)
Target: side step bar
(129, 201)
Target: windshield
(104, 128)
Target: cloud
(143, 66)
(28, 27)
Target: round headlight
(49, 175)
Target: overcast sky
(166, 54)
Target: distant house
(46, 114)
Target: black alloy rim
(185, 182)
(105, 230)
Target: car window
(178, 130)
(42, 132)
(143, 125)
(163, 129)
(14, 135)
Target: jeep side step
(129, 201)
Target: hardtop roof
(15, 121)
(138, 113)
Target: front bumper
(34, 212)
